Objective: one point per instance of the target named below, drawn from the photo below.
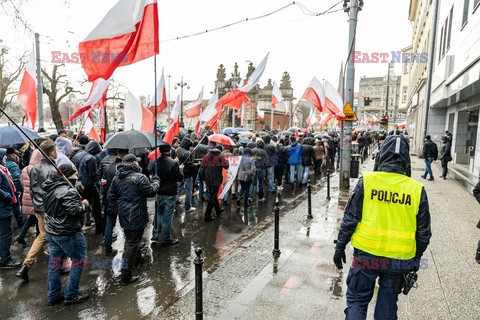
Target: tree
(52, 90)
(7, 77)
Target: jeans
(306, 171)
(213, 202)
(201, 189)
(132, 244)
(165, 207)
(38, 243)
(428, 167)
(111, 221)
(93, 196)
(361, 284)
(444, 167)
(259, 181)
(243, 192)
(73, 246)
(186, 184)
(30, 222)
(271, 178)
(318, 166)
(299, 169)
(5, 239)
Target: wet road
(166, 274)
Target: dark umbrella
(10, 135)
(131, 139)
(262, 133)
(284, 133)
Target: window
(404, 96)
(440, 46)
(406, 66)
(449, 28)
(444, 37)
(465, 12)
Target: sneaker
(424, 177)
(250, 201)
(154, 239)
(111, 254)
(57, 301)
(192, 209)
(79, 298)
(279, 188)
(170, 242)
(261, 199)
(431, 179)
(10, 264)
(131, 280)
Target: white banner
(229, 175)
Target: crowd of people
(70, 184)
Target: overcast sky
(304, 46)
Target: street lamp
(181, 84)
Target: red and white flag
(229, 175)
(89, 129)
(193, 108)
(161, 102)
(276, 95)
(136, 116)
(260, 114)
(235, 97)
(211, 114)
(315, 94)
(98, 91)
(312, 118)
(333, 101)
(326, 116)
(173, 128)
(127, 34)
(198, 129)
(27, 94)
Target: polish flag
(127, 34)
(315, 94)
(312, 118)
(98, 90)
(326, 116)
(333, 101)
(198, 129)
(193, 108)
(27, 94)
(173, 128)
(234, 97)
(374, 119)
(260, 114)
(89, 129)
(136, 116)
(276, 95)
(211, 114)
(161, 102)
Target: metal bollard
(328, 184)
(309, 188)
(276, 251)
(198, 284)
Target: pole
(388, 91)
(433, 32)
(349, 89)
(309, 187)
(198, 284)
(328, 183)
(39, 83)
(181, 103)
(271, 119)
(276, 251)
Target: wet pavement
(166, 274)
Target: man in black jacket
(272, 162)
(211, 173)
(127, 197)
(261, 163)
(388, 220)
(184, 157)
(64, 218)
(170, 175)
(200, 152)
(430, 154)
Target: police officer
(388, 221)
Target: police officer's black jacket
(389, 161)
(64, 211)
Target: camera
(410, 279)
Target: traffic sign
(349, 113)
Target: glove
(338, 257)
(156, 179)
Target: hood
(53, 182)
(247, 152)
(93, 147)
(394, 155)
(125, 169)
(260, 144)
(64, 145)
(36, 157)
(252, 145)
(2, 154)
(186, 144)
(214, 152)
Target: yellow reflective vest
(390, 206)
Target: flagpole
(79, 131)
(155, 169)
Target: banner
(229, 175)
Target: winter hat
(129, 158)
(68, 169)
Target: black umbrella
(10, 135)
(131, 139)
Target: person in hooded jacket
(445, 156)
(261, 163)
(211, 173)
(200, 152)
(282, 157)
(88, 176)
(319, 153)
(246, 174)
(11, 163)
(387, 218)
(64, 218)
(430, 154)
(272, 162)
(295, 153)
(307, 158)
(127, 198)
(27, 203)
(185, 158)
(79, 147)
